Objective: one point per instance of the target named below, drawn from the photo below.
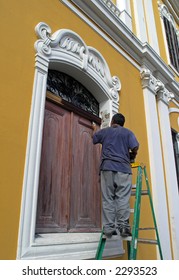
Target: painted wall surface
(17, 50)
(174, 117)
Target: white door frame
(67, 52)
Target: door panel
(69, 190)
(52, 214)
(85, 189)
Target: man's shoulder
(126, 130)
(104, 130)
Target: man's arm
(96, 134)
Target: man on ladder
(119, 148)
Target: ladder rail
(101, 245)
(153, 213)
(132, 242)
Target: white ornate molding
(148, 80)
(115, 32)
(64, 51)
(112, 7)
(163, 94)
(71, 46)
(164, 12)
(155, 86)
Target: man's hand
(94, 127)
(133, 154)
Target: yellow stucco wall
(174, 117)
(17, 48)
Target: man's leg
(123, 184)
(108, 203)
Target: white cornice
(142, 53)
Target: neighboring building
(92, 58)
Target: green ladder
(133, 241)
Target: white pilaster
(125, 12)
(164, 96)
(156, 164)
(140, 20)
(33, 153)
(151, 27)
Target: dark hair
(118, 119)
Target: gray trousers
(116, 192)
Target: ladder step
(147, 228)
(138, 192)
(147, 241)
(143, 192)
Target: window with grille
(173, 43)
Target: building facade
(76, 62)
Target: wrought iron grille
(72, 91)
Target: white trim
(175, 102)
(170, 171)
(117, 31)
(173, 6)
(173, 110)
(164, 36)
(63, 50)
(101, 33)
(125, 9)
(156, 161)
(164, 12)
(140, 22)
(151, 26)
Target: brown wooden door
(69, 190)
(85, 192)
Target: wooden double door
(69, 197)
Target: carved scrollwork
(68, 43)
(156, 86)
(162, 93)
(164, 12)
(147, 78)
(95, 62)
(116, 86)
(43, 31)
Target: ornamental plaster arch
(65, 51)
